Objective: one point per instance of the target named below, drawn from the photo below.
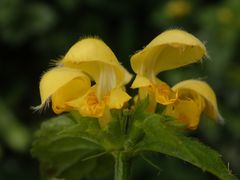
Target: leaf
(140, 108)
(160, 137)
(67, 147)
(113, 137)
(104, 168)
(135, 132)
(98, 168)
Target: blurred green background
(34, 32)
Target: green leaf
(98, 168)
(69, 147)
(140, 109)
(160, 137)
(135, 119)
(113, 137)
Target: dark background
(34, 32)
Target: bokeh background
(32, 33)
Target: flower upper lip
(169, 50)
(91, 55)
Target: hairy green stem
(122, 166)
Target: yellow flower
(95, 58)
(61, 85)
(169, 50)
(68, 85)
(195, 97)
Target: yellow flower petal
(170, 50)
(158, 91)
(140, 81)
(203, 89)
(150, 93)
(62, 85)
(117, 98)
(91, 55)
(187, 111)
(90, 49)
(89, 105)
(71, 90)
(127, 76)
(164, 94)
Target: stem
(122, 166)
